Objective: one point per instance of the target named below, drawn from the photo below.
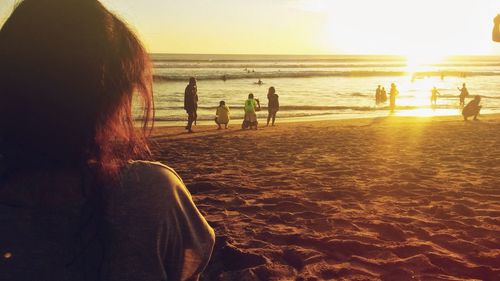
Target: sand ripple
(396, 199)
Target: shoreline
(235, 124)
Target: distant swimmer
(434, 96)
(378, 95)
(472, 108)
(463, 94)
(259, 82)
(496, 29)
(392, 95)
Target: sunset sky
(423, 28)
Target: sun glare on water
(421, 71)
(419, 62)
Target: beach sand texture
(374, 199)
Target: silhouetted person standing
(273, 105)
(191, 102)
(496, 29)
(393, 93)
(434, 96)
(472, 108)
(383, 95)
(378, 95)
(463, 94)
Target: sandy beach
(394, 198)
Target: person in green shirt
(252, 105)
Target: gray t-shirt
(153, 232)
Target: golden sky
(418, 28)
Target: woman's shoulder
(149, 182)
(150, 169)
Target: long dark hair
(69, 71)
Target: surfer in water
(259, 82)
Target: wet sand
(393, 198)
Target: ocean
(321, 87)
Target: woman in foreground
(72, 204)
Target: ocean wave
(356, 94)
(207, 58)
(304, 65)
(285, 108)
(238, 116)
(302, 111)
(215, 58)
(310, 74)
(470, 96)
(312, 108)
(251, 66)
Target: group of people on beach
(80, 197)
(222, 113)
(471, 109)
(381, 96)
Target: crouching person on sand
(222, 115)
(472, 108)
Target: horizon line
(339, 54)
